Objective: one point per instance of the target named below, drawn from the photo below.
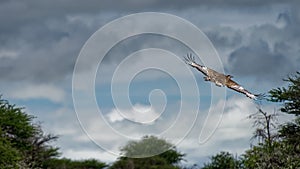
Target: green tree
(290, 132)
(267, 153)
(40, 149)
(223, 160)
(280, 149)
(260, 157)
(9, 156)
(289, 96)
(65, 163)
(23, 139)
(147, 154)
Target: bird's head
(229, 76)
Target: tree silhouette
(147, 154)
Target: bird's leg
(206, 78)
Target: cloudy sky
(140, 86)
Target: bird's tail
(256, 97)
(260, 96)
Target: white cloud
(233, 133)
(234, 122)
(90, 154)
(50, 92)
(138, 113)
(74, 141)
(115, 116)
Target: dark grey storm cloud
(257, 60)
(16, 13)
(43, 52)
(46, 36)
(225, 37)
(140, 42)
(272, 51)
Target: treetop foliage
(149, 152)
(147, 146)
(290, 96)
(23, 144)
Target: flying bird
(219, 79)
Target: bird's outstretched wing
(236, 87)
(220, 79)
(190, 60)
